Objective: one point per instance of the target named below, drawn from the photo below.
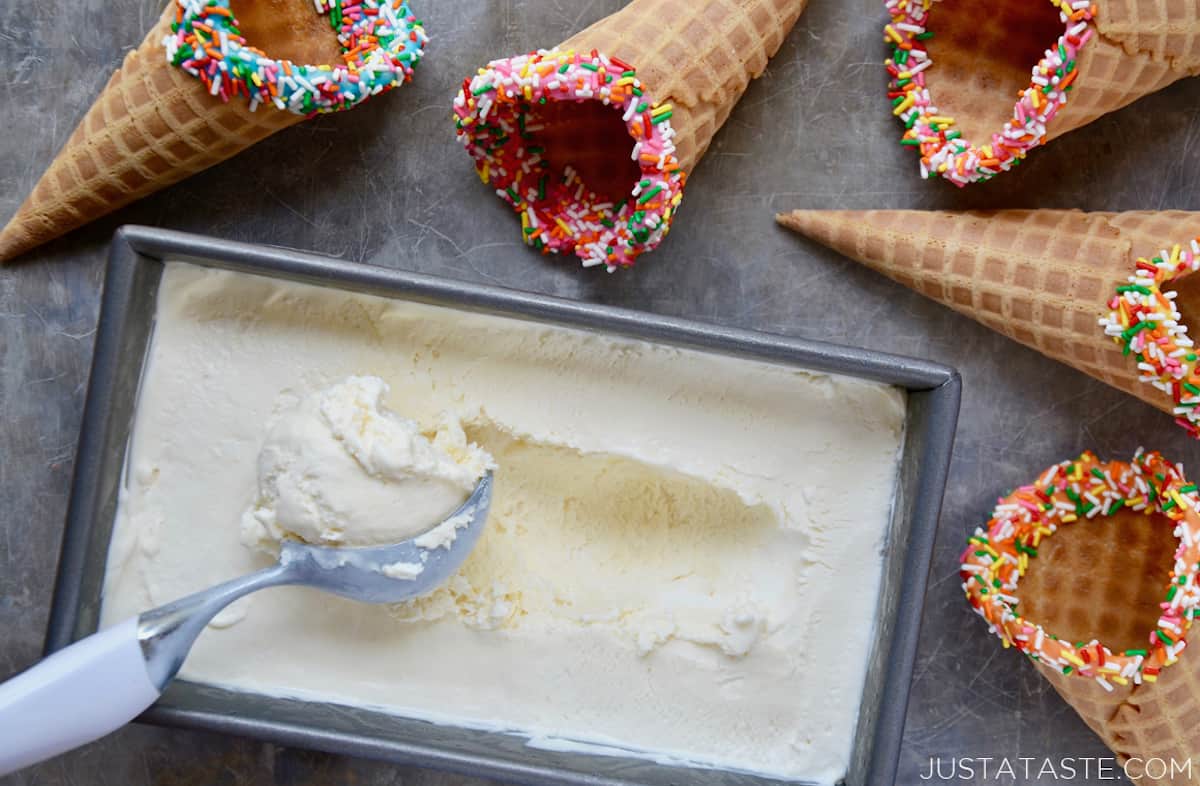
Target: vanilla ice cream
(682, 558)
(340, 469)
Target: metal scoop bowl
(102, 682)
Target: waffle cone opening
(1187, 298)
(288, 30)
(590, 139)
(579, 147)
(1091, 568)
(981, 64)
(1101, 580)
(296, 62)
(978, 87)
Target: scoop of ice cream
(340, 469)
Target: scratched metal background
(387, 184)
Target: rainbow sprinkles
(559, 213)
(998, 555)
(1143, 318)
(944, 153)
(381, 39)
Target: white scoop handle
(98, 684)
(75, 696)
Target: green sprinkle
(1138, 328)
(481, 90)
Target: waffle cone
(595, 163)
(1096, 582)
(153, 125)
(1140, 48)
(699, 56)
(982, 62)
(1142, 723)
(1040, 277)
(1125, 559)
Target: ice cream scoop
(102, 682)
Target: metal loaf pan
(125, 326)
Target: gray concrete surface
(387, 185)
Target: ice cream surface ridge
(683, 552)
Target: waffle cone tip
(15, 240)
